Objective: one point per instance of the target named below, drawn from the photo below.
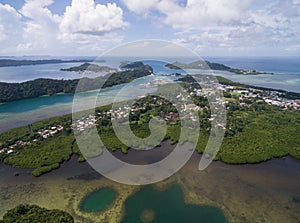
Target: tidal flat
(265, 192)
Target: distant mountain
(206, 65)
(13, 63)
(131, 65)
(89, 67)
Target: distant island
(15, 63)
(206, 65)
(90, 68)
(42, 86)
(131, 65)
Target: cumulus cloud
(10, 22)
(199, 13)
(84, 28)
(140, 6)
(37, 10)
(221, 24)
(41, 25)
(202, 24)
(195, 13)
(86, 17)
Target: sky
(207, 27)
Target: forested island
(41, 86)
(261, 125)
(14, 63)
(89, 68)
(35, 214)
(131, 65)
(206, 65)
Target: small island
(206, 65)
(131, 65)
(15, 63)
(90, 68)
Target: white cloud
(37, 10)
(87, 27)
(195, 14)
(227, 25)
(140, 6)
(85, 17)
(84, 28)
(199, 13)
(9, 23)
(41, 25)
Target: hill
(90, 68)
(206, 65)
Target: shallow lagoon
(266, 192)
(98, 200)
(152, 205)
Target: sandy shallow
(266, 192)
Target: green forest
(35, 214)
(89, 67)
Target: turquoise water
(168, 207)
(23, 112)
(98, 200)
(34, 103)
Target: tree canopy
(35, 214)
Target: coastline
(17, 123)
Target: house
(192, 107)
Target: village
(240, 95)
(271, 97)
(39, 136)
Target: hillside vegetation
(40, 87)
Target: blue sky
(209, 27)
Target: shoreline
(136, 157)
